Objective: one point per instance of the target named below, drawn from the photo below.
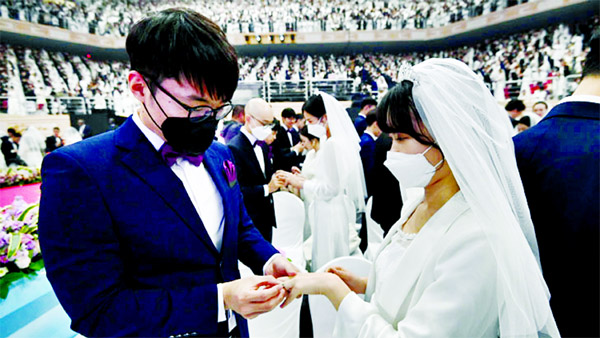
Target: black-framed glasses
(200, 113)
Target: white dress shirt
(206, 200)
(368, 132)
(288, 131)
(581, 98)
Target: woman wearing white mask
(462, 259)
(336, 188)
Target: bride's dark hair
(397, 113)
(314, 106)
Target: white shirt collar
(368, 132)
(156, 141)
(250, 137)
(581, 98)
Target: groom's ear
(138, 86)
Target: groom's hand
(281, 267)
(252, 296)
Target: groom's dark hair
(182, 44)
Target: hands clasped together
(288, 181)
(255, 295)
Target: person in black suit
(367, 149)
(287, 129)
(54, 142)
(367, 105)
(287, 148)
(10, 147)
(385, 188)
(559, 162)
(254, 168)
(84, 130)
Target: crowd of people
(484, 230)
(253, 16)
(533, 65)
(530, 64)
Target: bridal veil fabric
(474, 134)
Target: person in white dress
(31, 147)
(462, 261)
(336, 185)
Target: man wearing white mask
(254, 167)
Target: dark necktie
(170, 156)
(259, 143)
(269, 148)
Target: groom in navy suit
(559, 163)
(142, 227)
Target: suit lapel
(249, 150)
(146, 163)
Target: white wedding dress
(440, 282)
(330, 212)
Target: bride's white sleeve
(353, 314)
(460, 300)
(326, 183)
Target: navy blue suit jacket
(559, 163)
(360, 123)
(125, 249)
(252, 182)
(367, 155)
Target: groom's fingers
(255, 309)
(263, 295)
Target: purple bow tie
(259, 143)
(170, 156)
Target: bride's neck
(440, 190)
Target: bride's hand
(327, 284)
(354, 282)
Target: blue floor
(32, 310)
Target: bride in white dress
(334, 183)
(462, 261)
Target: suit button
(186, 334)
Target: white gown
(439, 283)
(331, 213)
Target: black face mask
(185, 136)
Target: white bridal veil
(350, 170)
(474, 134)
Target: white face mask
(262, 132)
(317, 130)
(411, 170)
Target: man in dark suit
(54, 141)
(367, 149)
(287, 135)
(254, 167)
(286, 147)
(142, 227)
(84, 130)
(559, 163)
(367, 105)
(385, 188)
(10, 147)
